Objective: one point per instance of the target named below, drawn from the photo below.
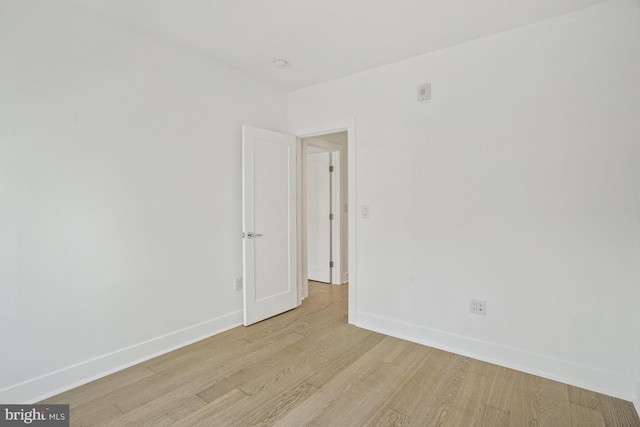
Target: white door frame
(323, 129)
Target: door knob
(251, 235)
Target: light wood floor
(309, 367)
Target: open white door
(269, 223)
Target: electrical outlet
(477, 306)
(237, 284)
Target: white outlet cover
(478, 307)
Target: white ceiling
(323, 39)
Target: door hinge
(330, 264)
(330, 217)
(330, 168)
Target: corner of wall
(57, 382)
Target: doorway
(325, 244)
(291, 171)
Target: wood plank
(200, 354)
(500, 384)
(525, 404)
(618, 412)
(582, 416)
(266, 412)
(211, 413)
(491, 417)
(164, 410)
(446, 377)
(96, 414)
(554, 404)
(254, 377)
(467, 405)
(390, 418)
(419, 397)
(361, 387)
(343, 355)
(582, 397)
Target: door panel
(318, 223)
(269, 223)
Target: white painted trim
(348, 125)
(59, 381)
(353, 221)
(636, 401)
(324, 145)
(586, 377)
(303, 274)
(336, 227)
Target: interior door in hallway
(319, 216)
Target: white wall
(120, 195)
(518, 183)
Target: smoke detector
(280, 63)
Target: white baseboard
(586, 377)
(73, 376)
(345, 277)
